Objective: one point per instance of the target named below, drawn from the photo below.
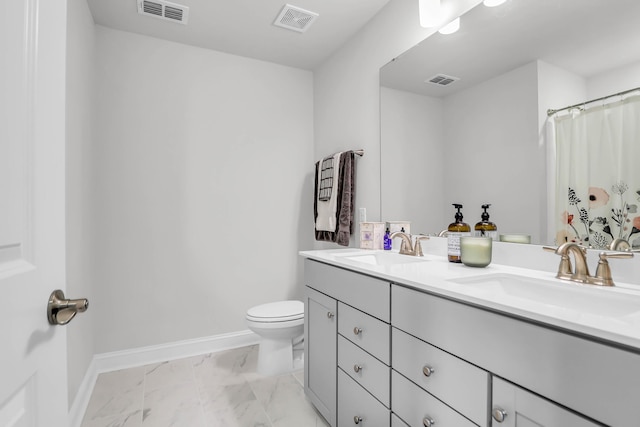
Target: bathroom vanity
(393, 340)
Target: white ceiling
(244, 27)
(586, 37)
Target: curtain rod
(551, 112)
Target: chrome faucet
(407, 247)
(620, 245)
(581, 272)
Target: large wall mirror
(481, 138)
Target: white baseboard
(81, 401)
(107, 362)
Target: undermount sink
(557, 293)
(382, 258)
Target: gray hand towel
(346, 202)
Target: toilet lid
(277, 311)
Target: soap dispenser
(456, 230)
(486, 228)
(387, 241)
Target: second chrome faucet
(581, 272)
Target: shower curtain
(597, 190)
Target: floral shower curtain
(598, 174)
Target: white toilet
(281, 329)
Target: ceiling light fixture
(429, 13)
(451, 27)
(493, 3)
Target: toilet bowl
(280, 326)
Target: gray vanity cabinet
(392, 355)
(356, 354)
(516, 407)
(320, 329)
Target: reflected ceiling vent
(295, 18)
(442, 80)
(164, 10)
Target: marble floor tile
(299, 375)
(163, 402)
(225, 367)
(168, 373)
(245, 414)
(117, 393)
(181, 417)
(134, 419)
(284, 401)
(219, 389)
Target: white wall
(79, 189)
(615, 81)
(412, 128)
(492, 153)
(347, 92)
(204, 167)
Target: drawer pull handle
(428, 421)
(357, 331)
(357, 368)
(330, 314)
(428, 371)
(499, 414)
(357, 419)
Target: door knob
(499, 414)
(60, 311)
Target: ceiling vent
(295, 18)
(164, 10)
(442, 80)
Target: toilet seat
(275, 312)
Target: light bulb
(493, 3)
(451, 27)
(429, 13)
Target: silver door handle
(499, 414)
(60, 311)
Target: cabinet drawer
(365, 369)
(397, 422)
(355, 403)
(363, 292)
(414, 405)
(452, 380)
(365, 331)
(565, 368)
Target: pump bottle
(486, 228)
(456, 230)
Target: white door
(33, 386)
(516, 407)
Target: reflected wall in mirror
(481, 139)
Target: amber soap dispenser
(486, 228)
(456, 230)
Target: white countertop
(618, 324)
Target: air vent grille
(152, 8)
(173, 13)
(164, 10)
(442, 79)
(295, 18)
